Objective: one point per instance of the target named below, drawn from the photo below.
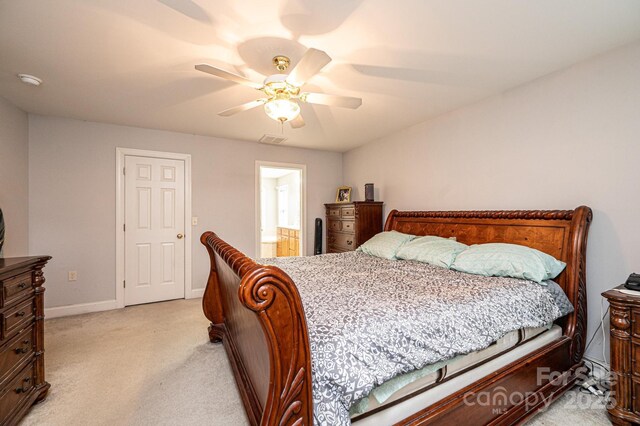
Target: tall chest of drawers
(351, 224)
(21, 336)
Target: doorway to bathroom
(280, 193)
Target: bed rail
(237, 283)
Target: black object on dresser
(351, 224)
(624, 320)
(21, 336)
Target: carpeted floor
(153, 365)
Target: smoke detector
(272, 139)
(30, 79)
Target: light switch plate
(73, 275)
(194, 221)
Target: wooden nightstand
(624, 330)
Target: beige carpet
(153, 365)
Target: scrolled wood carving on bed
(256, 311)
(272, 295)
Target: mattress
(399, 411)
(409, 383)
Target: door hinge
(124, 170)
(124, 227)
(124, 283)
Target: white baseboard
(196, 293)
(105, 305)
(82, 308)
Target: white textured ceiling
(131, 61)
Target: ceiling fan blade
(227, 75)
(331, 100)
(243, 107)
(310, 64)
(189, 9)
(297, 122)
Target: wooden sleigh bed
(256, 311)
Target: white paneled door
(154, 229)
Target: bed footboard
(256, 311)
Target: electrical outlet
(194, 221)
(73, 275)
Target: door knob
(180, 236)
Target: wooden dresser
(351, 224)
(624, 320)
(21, 336)
(288, 243)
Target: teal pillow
(508, 260)
(433, 250)
(385, 244)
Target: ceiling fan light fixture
(282, 109)
(282, 91)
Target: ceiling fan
(282, 90)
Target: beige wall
(568, 139)
(14, 178)
(72, 196)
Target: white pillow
(431, 249)
(508, 260)
(385, 244)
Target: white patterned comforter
(372, 319)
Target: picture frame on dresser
(343, 194)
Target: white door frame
(120, 252)
(303, 201)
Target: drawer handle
(26, 380)
(21, 314)
(22, 285)
(23, 350)
(349, 242)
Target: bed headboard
(560, 233)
